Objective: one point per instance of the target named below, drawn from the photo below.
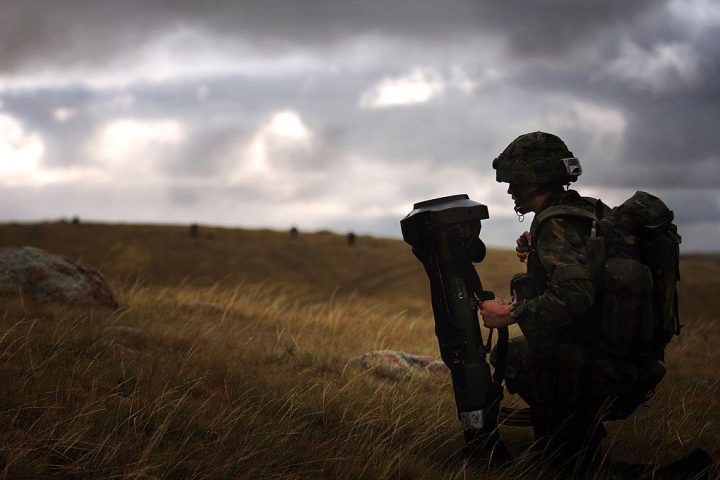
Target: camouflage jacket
(561, 297)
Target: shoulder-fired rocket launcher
(444, 235)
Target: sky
(340, 114)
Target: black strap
(501, 360)
(472, 280)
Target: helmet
(537, 157)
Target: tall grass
(240, 383)
(251, 382)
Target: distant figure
(76, 220)
(351, 238)
(194, 229)
(294, 232)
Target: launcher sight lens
(427, 217)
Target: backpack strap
(601, 210)
(560, 211)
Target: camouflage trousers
(572, 390)
(548, 372)
(552, 379)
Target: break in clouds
(340, 115)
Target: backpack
(634, 252)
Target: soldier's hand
(496, 313)
(522, 250)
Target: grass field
(228, 359)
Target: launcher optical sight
(444, 235)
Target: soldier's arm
(561, 250)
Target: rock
(394, 364)
(47, 277)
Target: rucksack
(634, 252)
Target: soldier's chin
(520, 209)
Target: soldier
(573, 376)
(551, 365)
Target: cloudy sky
(340, 114)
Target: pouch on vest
(628, 316)
(521, 286)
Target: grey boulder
(43, 276)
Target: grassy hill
(237, 367)
(312, 265)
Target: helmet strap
(520, 210)
(521, 199)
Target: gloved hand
(523, 246)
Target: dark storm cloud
(669, 137)
(549, 27)
(701, 206)
(674, 130)
(679, 171)
(36, 33)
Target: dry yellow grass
(240, 367)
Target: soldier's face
(522, 194)
(518, 191)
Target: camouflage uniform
(550, 365)
(572, 377)
(563, 366)
(561, 291)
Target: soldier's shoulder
(560, 231)
(567, 212)
(571, 200)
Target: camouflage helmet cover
(535, 158)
